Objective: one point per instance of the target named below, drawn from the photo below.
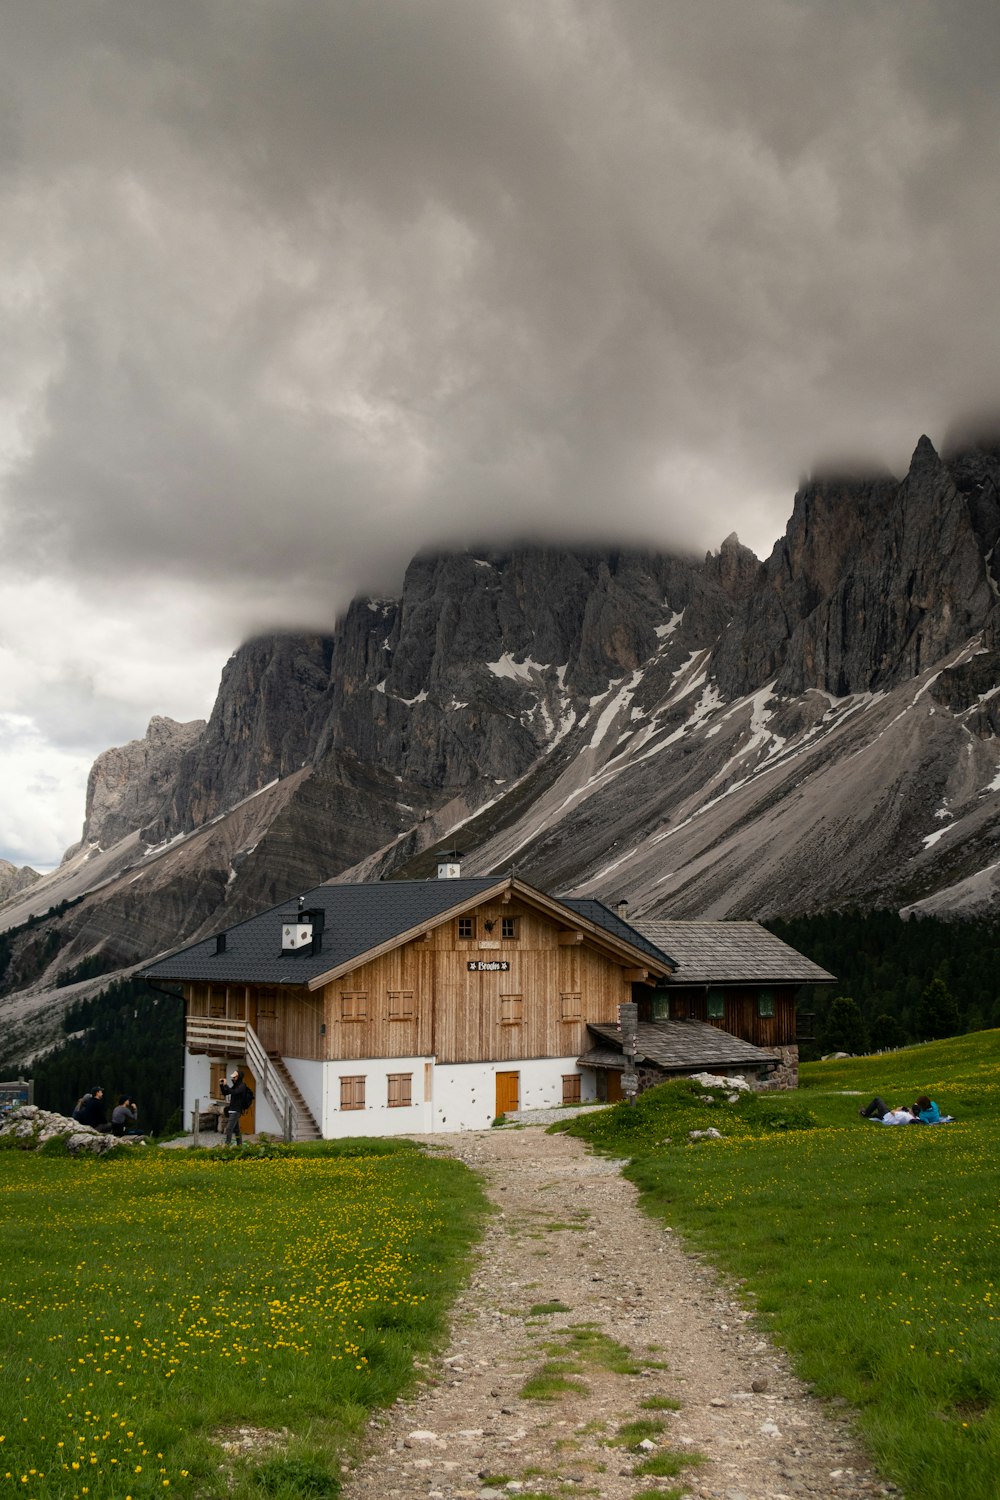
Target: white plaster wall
(198, 1074)
(376, 1118)
(308, 1076)
(465, 1094)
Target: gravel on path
(569, 1247)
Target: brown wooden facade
(432, 996)
(762, 1014)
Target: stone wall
(785, 1075)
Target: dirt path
(569, 1231)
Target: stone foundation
(785, 1075)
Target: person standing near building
(238, 1100)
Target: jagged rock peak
(127, 784)
(734, 567)
(14, 879)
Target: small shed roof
(676, 1047)
(731, 953)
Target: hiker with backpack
(239, 1098)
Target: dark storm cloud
(303, 278)
(292, 289)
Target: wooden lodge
(401, 1007)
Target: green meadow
(871, 1252)
(155, 1303)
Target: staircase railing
(238, 1039)
(272, 1085)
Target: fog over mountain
(292, 291)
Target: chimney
(303, 931)
(297, 933)
(220, 942)
(318, 918)
(449, 866)
(621, 908)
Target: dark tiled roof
(677, 1046)
(731, 953)
(602, 916)
(358, 918)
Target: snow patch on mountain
(517, 671)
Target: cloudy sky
(290, 288)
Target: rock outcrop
(129, 786)
(14, 879)
(33, 1128)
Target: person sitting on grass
(124, 1116)
(879, 1110)
(927, 1111)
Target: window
(570, 1006)
(400, 1090)
(352, 1092)
(571, 1088)
(716, 1005)
(353, 1005)
(765, 1003)
(508, 928)
(400, 1005)
(466, 927)
(661, 1006)
(511, 1010)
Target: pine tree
(887, 1033)
(845, 1029)
(937, 1012)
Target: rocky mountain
(709, 737)
(15, 878)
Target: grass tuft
(666, 1464)
(296, 1479)
(631, 1434)
(549, 1387)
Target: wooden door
(248, 1122)
(508, 1085)
(614, 1085)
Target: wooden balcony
(216, 1036)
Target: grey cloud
(309, 287)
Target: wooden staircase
(306, 1128)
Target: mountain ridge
(704, 737)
